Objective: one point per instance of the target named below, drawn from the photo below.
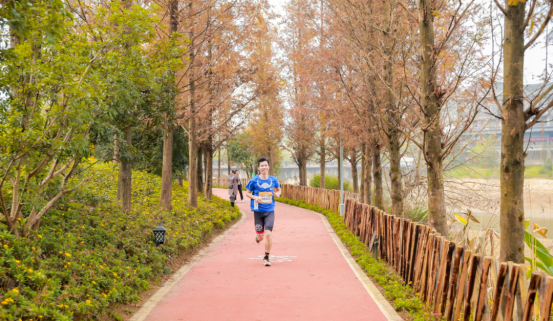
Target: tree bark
(209, 173)
(354, 174)
(199, 170)
(367, 174)
(116, 152)
(192, 144)
(271, 161)
(167, 170)
(228, 161)
(377, 174)
(512, 137)
(125, 177)
(392, 115)
(363, 163)
(339, 172)
(432, 134)
(167, 166)
(323, 165)
(219, 163)
(302, 164)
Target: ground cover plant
(88, 254)
(402, 297)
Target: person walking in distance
(237, 177)
(262, 189)
(232, 188)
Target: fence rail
(224, 181)
(453, 280)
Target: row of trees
(394, 77)
(155, 85)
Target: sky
(534, 62)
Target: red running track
(308, 280)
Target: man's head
(263, 166)
(232, 173)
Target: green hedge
(402, 297)
(88, 255)
(331, 182)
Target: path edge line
(389, 312)
(148, 306)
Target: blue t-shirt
(263, 188)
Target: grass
(401, 296)
(493, 172)
(89, 255)
(473, 172)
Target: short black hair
(261, 160)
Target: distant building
(538, 140)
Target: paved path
(309, 280)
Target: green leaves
(546, 259)
(88, 254)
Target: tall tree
(515, 118)
(167, 171)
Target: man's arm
(277, 192)
(253, 197)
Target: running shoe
(256, 239)
(266, 261)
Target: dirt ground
(481, 197)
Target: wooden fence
(325, 198)
(224, 181)
(454, 281)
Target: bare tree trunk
(392, 115)
(354, 174)
(219, 163)
(303, 171)
(167, 170)
(167, 166)
(377, 174)
(512, 137)
(209, 172)
(271, 160)
(116, 152)
(323, 164)
(125, 177)
(228, 161)
(199, 170)
(192, 144)
(339, 172)
(432, 136)
(395, 172)
(363, 165)
(367, 175)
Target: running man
(263, 189)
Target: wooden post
(446, 279)
(498, 311)
(481, 301)
(472, 281)
(545, 290)
(461, 285)
(531, 298)
(457, 263)
(513, 282)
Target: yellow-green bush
(88, 254)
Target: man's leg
(269, 221)
(268, 240)
(259, 226)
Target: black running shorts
(264, 221)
